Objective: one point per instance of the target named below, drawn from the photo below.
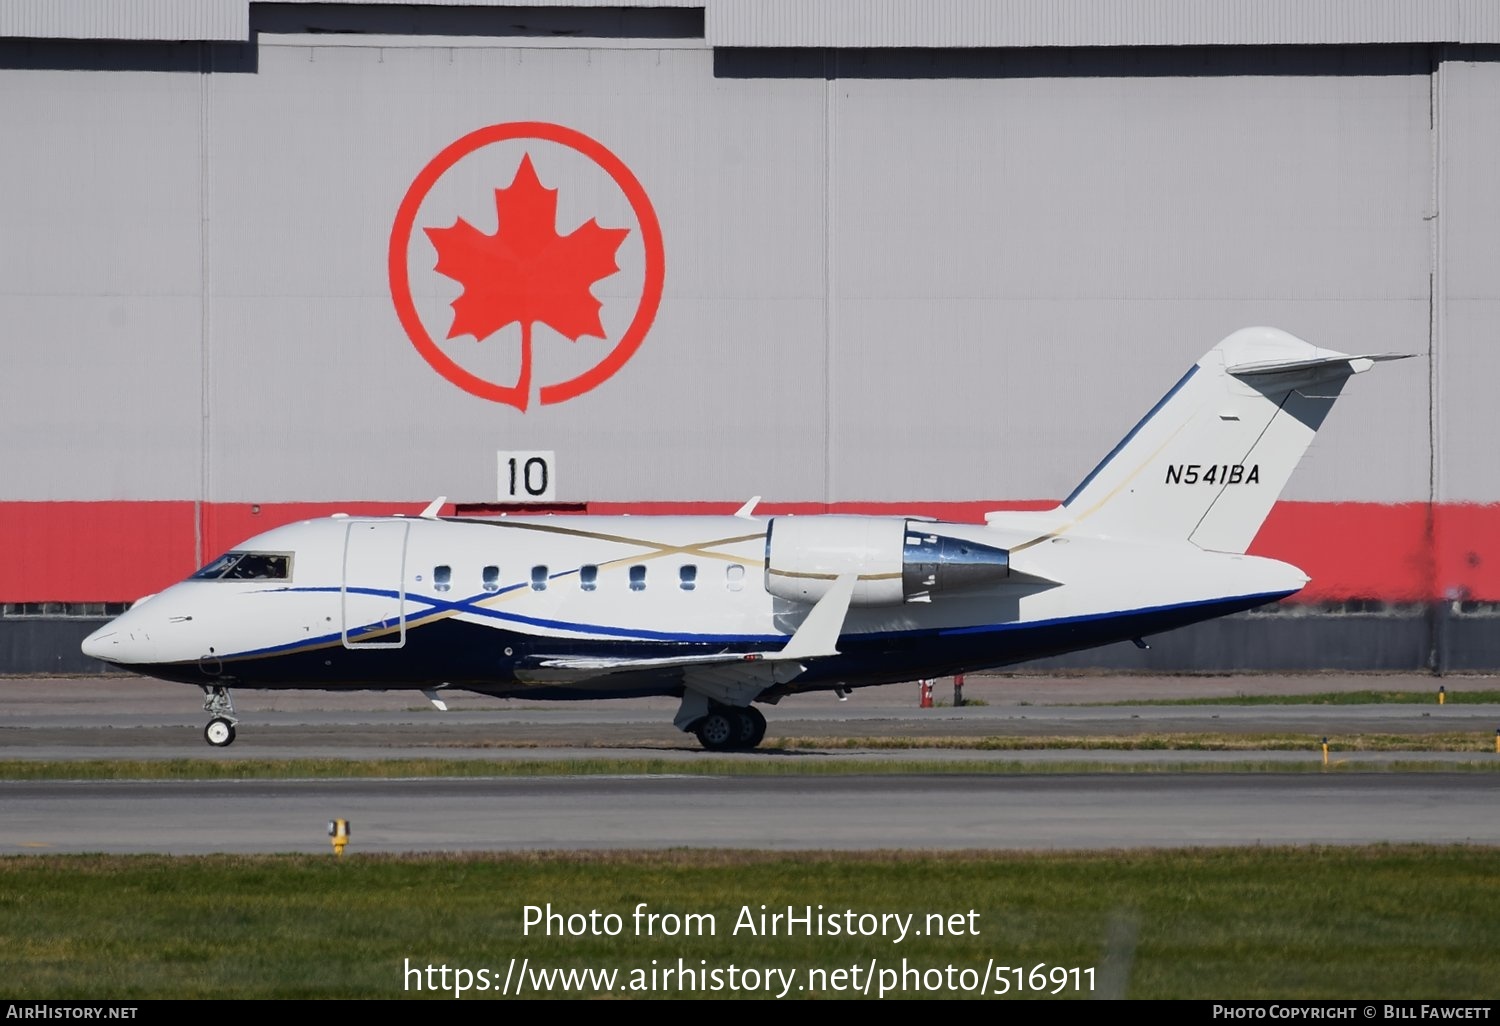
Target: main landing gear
(727, 729)
(220, 729)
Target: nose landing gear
(220, 729)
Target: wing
(731, 678)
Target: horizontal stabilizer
(1358, 364)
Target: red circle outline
(651, 287)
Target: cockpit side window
(248, 566)
(216, 569)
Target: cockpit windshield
(248, 566)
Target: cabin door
(373, 595)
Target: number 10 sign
(528, 477)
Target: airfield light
(1442, 694)
(1325, 751)
(338, 829)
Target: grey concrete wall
(47, 646)
(1468, 415)
(1251, 644)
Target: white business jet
(726, 611)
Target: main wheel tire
(219, 732)
(719, 730)
(752, 727)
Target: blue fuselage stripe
(602, 631)
(486, 658)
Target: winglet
(744, 511)
(434, 508)
(819, 634)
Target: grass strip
(1452, 741)
(767, 765)
(1367, 923)
(1323, 698)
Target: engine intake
(896, 560)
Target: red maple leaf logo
(526, 272)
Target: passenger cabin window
(588, 577)
(734, 577)
(442, 577)
(539, 578)
(491, 578)
(687, 577)
(248, 566)
(637, 578)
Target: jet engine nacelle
(895, 560)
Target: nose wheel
(220, 729)
(219, 732)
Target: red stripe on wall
(226, 524)
(118, 551)
(93, 551)
(960, 512)
(1354, 549)
(1467, 552)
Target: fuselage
(481, 604)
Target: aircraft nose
(97, 645)
(114, 644)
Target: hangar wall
(941, 280)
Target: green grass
(1326, 698)
(1378, 922)
(1451, 741)
(770, 764)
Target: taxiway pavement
(63, 719)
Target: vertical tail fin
(1209, 460)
